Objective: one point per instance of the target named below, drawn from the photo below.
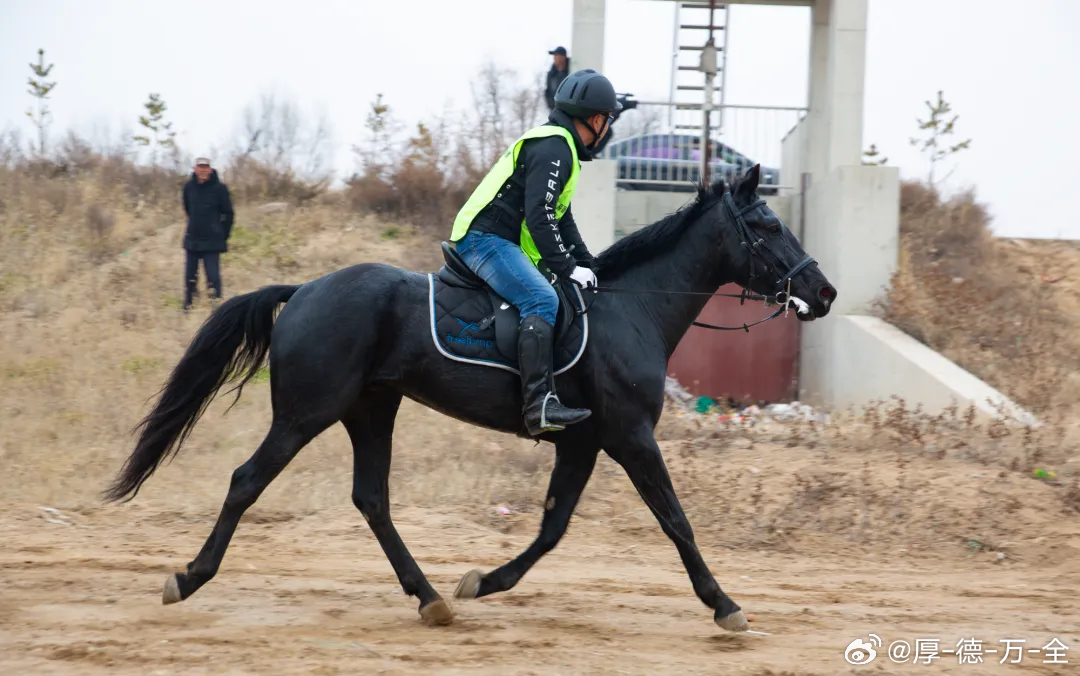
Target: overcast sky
(1012, 74)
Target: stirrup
(543, 414)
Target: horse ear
(752, 178)
(749, 183)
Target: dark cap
(558, 50)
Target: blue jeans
(510, 273)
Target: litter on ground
(706, 407)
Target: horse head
(768, 258)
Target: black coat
(553, 79)
(209, 214)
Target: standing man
(560, 68)
(209, 223)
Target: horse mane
(654, 239)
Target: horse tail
(235, 339)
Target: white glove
(584, 277)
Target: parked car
(677, 157)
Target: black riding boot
(543, 410)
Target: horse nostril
(827, 293)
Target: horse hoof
(734, 622)
(437, 613)
(171, 593)
(469, 586)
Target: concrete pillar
(851, 211)
(837, 71)
(594, 199)
(853, 228)
(594, 204)
(855, 217)
(587, 40)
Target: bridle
(781, 295)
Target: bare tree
(11, 148)
(525, 106)
(489, 98)
(280, 147)
(319, 147)
(276, 133)
(502, 110)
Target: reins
(744, 296)
(661, 292)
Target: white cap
(202, 160)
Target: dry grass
(985, 304)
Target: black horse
(349, 345)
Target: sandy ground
(315, 595)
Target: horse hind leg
(370, 423)
(249, 480)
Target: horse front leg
(574, 462)
(640, 457)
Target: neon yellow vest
(496, 178)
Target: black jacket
(553, 80)
(209, 214)
(533, 190)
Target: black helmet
(585, 93)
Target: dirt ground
(305, 588)
(315, 595)
(891, 525)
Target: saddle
(473, 324)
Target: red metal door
(761, 365)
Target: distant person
(560, 68)
(536, 179)
(209, 222)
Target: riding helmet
(585, 93)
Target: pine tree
(154, 122)
(40, 89)
(936, 128)
(870, 156)
(377, 153)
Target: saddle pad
(467, 326)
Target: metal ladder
(697, 22)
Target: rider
(520, 214)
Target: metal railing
(658, 144)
